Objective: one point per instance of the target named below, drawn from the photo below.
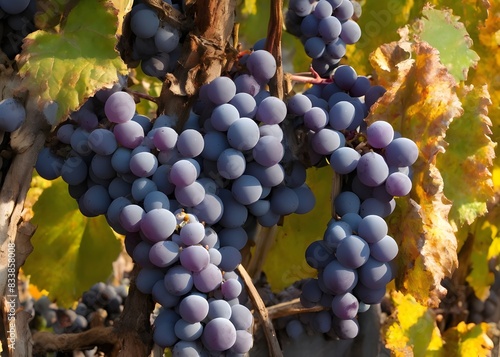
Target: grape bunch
(156, 43)
(191, 275)
(16, 22)
(325, 28)
(186, 201)
(100, 305)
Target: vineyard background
(439, 61)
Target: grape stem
(289, 308)
(315, 79)
(142, 95)
(262, 313)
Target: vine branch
(267, 324)
(273, 45)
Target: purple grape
(338, 278)
(341, 115)
(372, 206)
(360, 87)
(49, 165)
(131, 217)
(284, 200)
(158, 224)
(187, 332)
(155, 200)
(345, 76)
(344, 160)
(352, 252)
(384, 250)
(191, 195)
(372, 228)
(375, 274)
(345, 329)
(223, 116)
(345, 306)
(194, 258)
(231, 258)
(369, 295)
(193, 308)
(221, 90)
(261, 65)
(372, 169)
(231, 164)
(215, 144)
(299, 104)
(318, 255)
(143, 164)
(165, 138)
(141, 187)
(183, 173)
(268, 176)
(309, 26)
(346, 202)
(166, 39)
(235, 214)
(311, 290)
(322, 321)
(246, 83)
(129, 134)
(336, 48)
(294, 329)
(373, 94)
(190, 143)
(178, 280)
(335, 232)
(246, 189)
(164, 253)
(351, 32)
(323, 9)
(208, 279)
(119, 107)
(235, 237)
(241, 317)
(329, 28)
(146, 279)
(243, 343)
(96, 200)
(164, 328)
(344, 11)
(398, 184)
(326, 141)
(245, 104)
(219, 308)
(102, 142)
(379, 134)
(243, 134)
(314, 47)
(231, 289)
(209, 210)
(315, 119)
(144, 23)
(219, 334)
(307, 200)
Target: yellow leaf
(420, 103)
(467, 340)
(412, 330)
(249, 7)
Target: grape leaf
(71, 65)
(466, 164)
(486, 247)
(71, 252)
(467, 340)
(285, 262)
(421, 104)
(445, 33)
(412, 330)
(379, 23)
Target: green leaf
(285, 262)
(449, 36)
(467, 162)
(71, 65)
(71, 252)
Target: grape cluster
(191, 275)
(156, 43)
(184, 200)
(100, 305)
(16, 22)
(354, 258)
(325, 28)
